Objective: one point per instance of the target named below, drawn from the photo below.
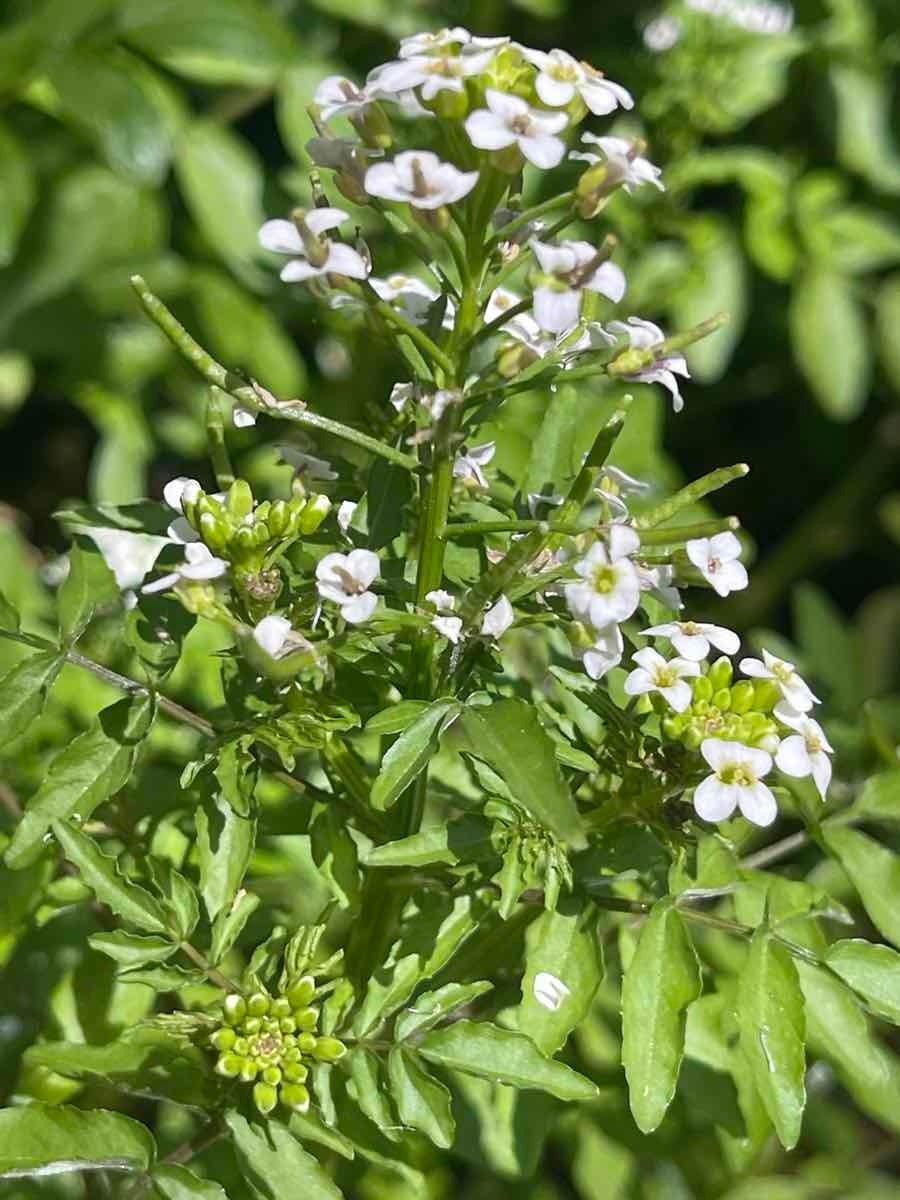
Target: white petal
(719, 753)
(554, 92)
(544, 150)
(698, 552)
(344, 260)
(364, 566)
(360, 608)
(651, 660)
(550, 992)
(609, 280)
(691, 645)
(271, 634)
(488, 131)
(320, 220)
(730, 577)
(757, 804)
(242, 418)
(602, 96)
(754, 668)
(505, 105)
(382, 180)
(298, 270)
(498, 618)
(678, 695)
(448, 627)
(793, 757)
(638, 683)
(175, 490)
(725, 546)
(723, 639)
(821, 772)
(555, 310)
(130, 556)
(281, 237)
(441, 599)
(345, 512)
(714, 800)
(623, 541)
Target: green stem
(215, 440)
(529, 214)
(416, 335)
(213, 974)
(684, 533)
(213, 372)
(466, 528)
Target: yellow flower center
(737, 773)
(604, 579)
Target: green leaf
(87, 773)
(465, 839)
(480, 1048)
(562, 954)
(131, 949)
(222, 182)
(410, 754)
(887, 315)
(871, 970)
(602, 1169)
(773, 1031)
(838, 1031)
(229, 924)
(429, 1008)
(829, 646)
(880, 797)
(509, 737)
(396, 718)
(179, 898)
(18, 193)
(226, 41)
(662, 979)
(874, 871)
(369, 1090)
(388, 492)
(274, 1163)
(40, 1139)
(864, 123)
(24, 689)
(178, 1183)
(81, 591)
(422, 1102)
(830, 341)
(716, 282)
(225, 841)
(101, 874)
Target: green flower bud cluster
(531, 858)
(733, 711)
(236, 528)
(270, 1041)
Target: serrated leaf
(24, 689)
(422, 1102)
(773, 1033)
(86, 774)
(466, 839)
(127, 900)
(480, 1048)
(163, 979)
(178, 1183)
(411, 752)
(873, 971)
(511, 739)
(41, 1139)
(275, 1164)
(830, 341)
(563, 969)
(131, 949)
(874, 871)
(662, 979)
(431, 1007)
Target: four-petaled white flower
(795, 690)
(413, 298)
(337, 96)
(437, 43)
(510, 121)
(804, 752)
(432, 73)
(199, 565)
(283, 237)
(624, 166)
(557, 302)
(666, 676)
(275, 635)
(345, 579)
(307, 466)
(561, 77)
(692, 639)
(610, 591)
(498, 618)
(468, 465)
(644, 335)
(735, 783)
(605, 653)
(419, 178)
(550, 992)
(717, 560)
(447, 625)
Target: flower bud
(234, 1009)
(329, 1049)
(280, 1007)
(239, 500)
(742, 696)
(277, 518)
(766, 694)
(223, 1039)
(295, 1072)
(295, 1096)
(300, 993)
(307, 1042)
(314, 513)
(722, 699)
(720, 673)
(691, 738)
(229, 1066)
(258, 1004)
(702, 688)
(249, 1070)
(514, 357)
(306, 1018)
(265, 1097)
(272, 1076)
(213, 531)
(593, 190)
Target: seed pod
(234, 1009)
(295, 1096)
(265, 1097)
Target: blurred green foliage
(156, 135)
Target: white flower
(307, 466)
(525, 329)
(656, 674)
(623, 163)
(283, 237)
(275, 635)
(501, 301)
(130, 556)
(658, 581)
(610, 591)
(447, 625)
(561, 77)
(345, 579)
(433, 73)
(735, 783)
(413, 298)
(436, 43)
(716, 559)
(557, 303)
(605, 653)
(509, 121)
(441, 599)
(549, 991)
(806, 751)
(438, 402)
(199, 565)
(401, 395)
(180, 490)
(345, 512)
(795, 690)
(419, 178)
(692, 639)
(644, 335)
(337, 96)
(467, 466)
(498, 618)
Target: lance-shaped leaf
(40, 1139)
(178, 1183)
(773, 1033)
(410, 753)
(274, 1163)
(229, 924)
(396, 718)
(24, 689)
(88, 583)
(509, 737)
(483, 1049)
(466, 839)
(87, 773)
(132, 949)
(563, 969)
(225, 841)
(422, 1102)
(662, 979)
(368, 1089)
(128, 900)
(871, 970)
(430, 1007)
(874, 871)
